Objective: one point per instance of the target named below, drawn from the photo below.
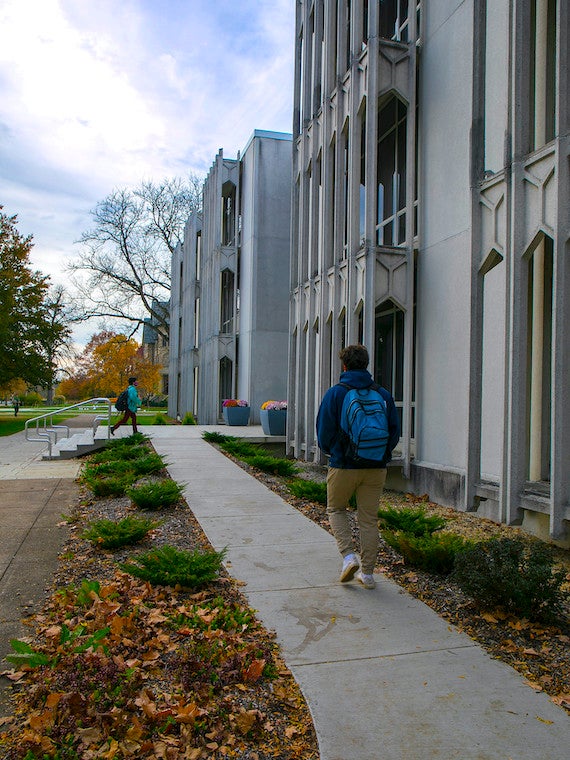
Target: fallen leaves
(120, 669)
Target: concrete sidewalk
(384, 676)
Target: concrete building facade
(430, 222)
(230, 285)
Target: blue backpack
(364, 420)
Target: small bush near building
(111, 534)
(188, 419)
(159, 419)
(164, 493)
(412, 521)
(517, 576)
(168, 566)
(307, 489)
(434, 553)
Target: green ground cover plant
(111, 485)
(432, 552)
(515, 575)
(189, 419)
(252, 454)
(113, 534)
(168, 566)
(414, 521)
(308, 489)
(159, 495)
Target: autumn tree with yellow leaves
(104, 368)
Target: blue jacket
(329, 434)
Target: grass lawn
(10, 424)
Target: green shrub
(110, 486)
(413, 521)
(109, 534)
(274, 465)
(105, 469)
(188, 419)
(149, 464)
(31, 399)
(434, 553)
(514, 575)
(119, 454)
(164, 493)
(168, 566)
(239, 448)
(307, 489)
(159, 419)
(214, 437)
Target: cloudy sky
(101, 94)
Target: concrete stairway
(79, 443)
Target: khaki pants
(368, 485)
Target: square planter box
(236, 415)
(273, 421)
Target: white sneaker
(366, 580)
(349, 568)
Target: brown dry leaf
(40, 721)
(52, 699)
(89, 736)
(254, 671)
(244, 721)
(291, 731)
(188, 713)
(531, 652)
(489, 618)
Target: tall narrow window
(348, 33)
(364, 23)
(362, 198)
(226, 385)
(394, 19)
(332, 206)
(198, 254)
(542, 72)
(319, 181)
(196, 322)
(345, 192)
(389, 351)
(227, 302)
(540, 359)
(228, 213)
(391, 174)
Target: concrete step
(78, 444)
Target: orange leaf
(245, 720)
(41, 721)
(254, 671)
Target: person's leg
(368, 495)
(340, 487)
(134, 421)
(122, 421)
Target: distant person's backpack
(364, 420)
(121, 404)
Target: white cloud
(95, 96)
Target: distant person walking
(16, 403)
(133, 404)
(352, 469)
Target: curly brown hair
(354, 357)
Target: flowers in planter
(277, 405)
(234, 402)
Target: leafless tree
(123, 272)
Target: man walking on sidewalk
(133, 404)
(357, 462)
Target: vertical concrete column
(537, 352)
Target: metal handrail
(45, 430)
